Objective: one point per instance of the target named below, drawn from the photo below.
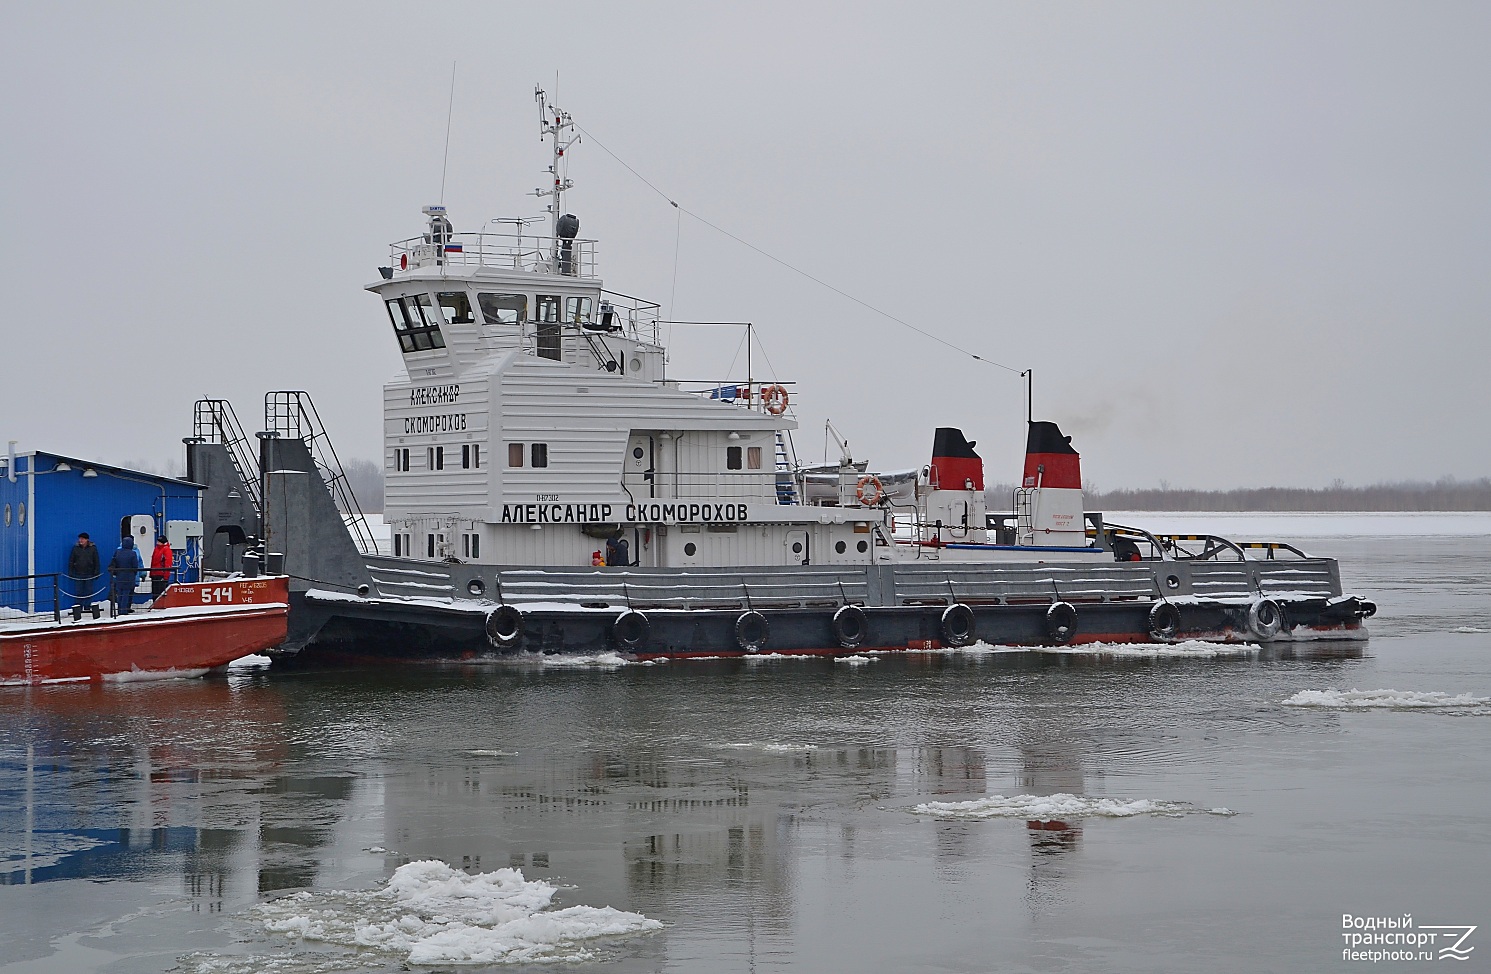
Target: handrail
(570, 257)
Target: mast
(555, 123)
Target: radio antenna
(449, 111)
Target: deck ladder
(215, 422)
(786, 473)
(292, 415)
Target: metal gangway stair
(214, 421)
(292, 415)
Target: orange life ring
(869, 491)
(774, 399)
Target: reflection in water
(744, 806)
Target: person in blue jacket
(125, 569)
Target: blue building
(46, 500)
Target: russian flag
(454, 248)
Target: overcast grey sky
(1240, 244)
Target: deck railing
(509, 251)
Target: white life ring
(774, 399)
(869, 491)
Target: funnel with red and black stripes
(1050, 460)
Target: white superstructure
(535, 421)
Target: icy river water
(977, 811)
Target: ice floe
(1044, 808)
(1470, 629)
(1195, 648)
(429, 913)
(1355, 699)
(855, 660)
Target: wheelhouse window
(515, 454)
(753, 457)
(546, 314)
(502, 309)
(414, 322)
(732, 458)
(470, 456)
(577, 309)
(455, 307)
(540, 454)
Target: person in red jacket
(162, 560)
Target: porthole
(7, 515)
(21, 514)
(636, 365)
(690, 549)
(638, 452)
(797, 547)
(1173, 581)
(862, 547)
(839, 546)
(476, 587)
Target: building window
(753, 457)
(540, 454)
(401, 459)
(470, 456)
(515, 454)
(732, 458)
(435, 457)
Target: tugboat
(550, 488)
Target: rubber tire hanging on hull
(631, 629)
(1061, 622)
(1164, 621)
(752, 631)
(850, 626)
(958, 626)
(504, 627)
(1265, 618)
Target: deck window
(470, 456)
(540, 454)
(470, 546)
(753, 457)
(503, 309)
(415, 323)
(455, 307)
(397, 315)
(435, 457)
(577, 309)
(732, 458)
(515, 454)
(401, 459)
(546, 314)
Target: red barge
(191, 629)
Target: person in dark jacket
(162, 560)
(83, 570)
(125, 568)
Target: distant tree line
(1445, 494)
(366, 480)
